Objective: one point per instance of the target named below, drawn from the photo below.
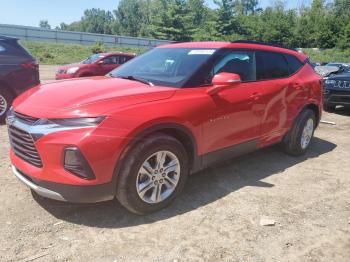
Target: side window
(293, 63)
(270, 65)
(115, 60)
(2, 49)
(237, 62)
(108, 60)
(124, 59)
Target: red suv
(138, 133)
(95, 65)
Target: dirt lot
(217, 217)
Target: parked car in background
(343, 67)
(96, 65)
(19, 71)
(326, 71)
(337, 91)
(177, 109)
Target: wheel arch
(8, 88)
(315, 108)
(178, 131)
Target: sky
(30, 12)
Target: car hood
(86, 97)
(325, 71)
(342, 76)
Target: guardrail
(37, 34)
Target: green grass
(59, 54)
(328, 55)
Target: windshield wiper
(134, 78)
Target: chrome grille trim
(23, 146)
(25, 118)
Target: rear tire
(299, 138)
(133, 179)
(6, 99)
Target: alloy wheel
(158, 177)
(3, 105)
(307, 133)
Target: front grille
(340, 99)
(61, 71)
(23, 146)
(342, 84)
(25, 118)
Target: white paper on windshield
(202, 52)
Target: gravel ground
(218, 217)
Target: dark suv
(19, 71)
(337, 91)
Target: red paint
(263, 110)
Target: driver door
(235, 113)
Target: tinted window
(293, 63)
(124, 59)
(237, 62)
(270, 65)
(111, 60)
(13, 48)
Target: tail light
(30, 65)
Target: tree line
(323, 24)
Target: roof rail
(263, 43)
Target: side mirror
(101, 62)
(223, 81)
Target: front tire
(6, 99)
(298, 140)
(153, 174)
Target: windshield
(92, 59)
(171, 67)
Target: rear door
(277, 79)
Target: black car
(337, 91)
(19, 71)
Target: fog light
(75, 163)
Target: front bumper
(335, 97)
(69, 193)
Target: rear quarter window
(294, 64)
(270, 65)
(2, 49)
(13, 48)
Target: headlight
(330, 82)
(47, 126)
(73, 122)
(72, 70)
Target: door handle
(255, 96)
